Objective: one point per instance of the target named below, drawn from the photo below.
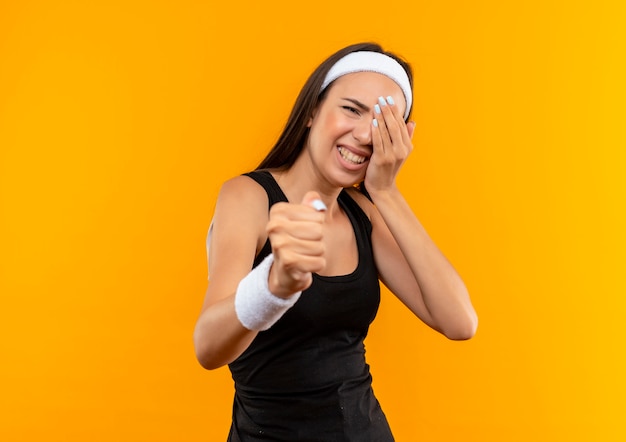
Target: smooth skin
(344, 147)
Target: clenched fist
(296, 233)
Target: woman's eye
(352, 109)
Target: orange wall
(119, 120)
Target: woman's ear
(310, 122)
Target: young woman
(296, 251)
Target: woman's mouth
(350, 156)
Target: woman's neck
(301, 178)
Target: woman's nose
(362, 132)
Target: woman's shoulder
(242, 194)
(240, 214)
(242, 187)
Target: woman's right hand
(296, 234)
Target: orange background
(119, 121)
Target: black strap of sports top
(274, 195)
(267, 181)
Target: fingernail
(390, 100)
(377, 108)
(375, 122)
(318, 205)
(382, 101)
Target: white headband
(367, 61)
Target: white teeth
(349, 156)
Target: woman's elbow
(462, 330)
(203, 353)
(206, 359)
(215, 350)
(208, 363)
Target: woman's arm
(238, 226)
(241, 226)
(409, 262)
(414, 269)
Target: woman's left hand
(391, 141)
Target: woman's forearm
(443, 292)
(219, 337)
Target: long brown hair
(294, 135)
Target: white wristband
(256, 307)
